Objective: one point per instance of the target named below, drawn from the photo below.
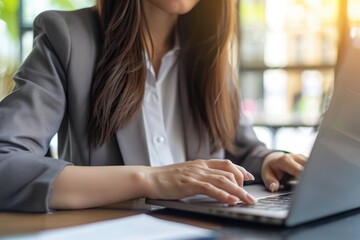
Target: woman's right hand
(219, 179)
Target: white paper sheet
(140, 226)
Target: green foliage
(65, 4)
(9, 14)
(6, 81)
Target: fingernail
(251, 198)
(272, 187)
(250, 176)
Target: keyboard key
(275, 203)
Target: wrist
(142, 181)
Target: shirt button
(160, 139)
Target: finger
(299, 158)
(227, 165)
(222, 195)
(247, 175)
(205, 170)
(271, 180)
(225, 184)
(230, 176)
(290, 166)
(210, 190)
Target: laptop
(329, 183)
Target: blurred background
(289, 51)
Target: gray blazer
(52, 96)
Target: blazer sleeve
(251, 151)
(31, 115)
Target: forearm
(84, 187)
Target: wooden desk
(345, 226)
(15, 223)
(18, 223)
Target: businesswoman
(145, 103)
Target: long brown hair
(207, 32)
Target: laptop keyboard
(274, 203)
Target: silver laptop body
(329, 183)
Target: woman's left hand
(277, 164)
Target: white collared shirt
(162, 111)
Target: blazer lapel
(132, 142)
